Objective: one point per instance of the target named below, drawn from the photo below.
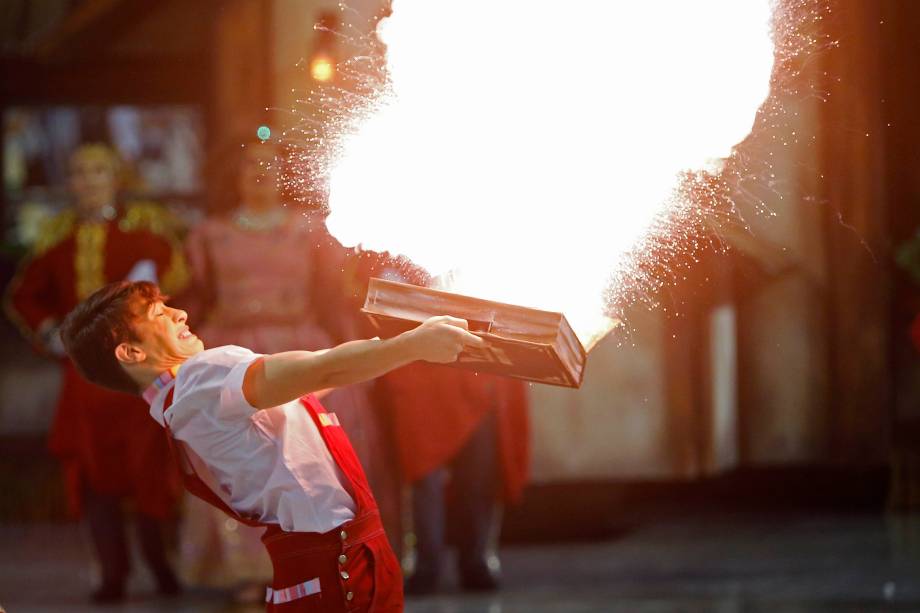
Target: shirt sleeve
(232, 401)
(210, 386)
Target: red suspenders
(350, 568)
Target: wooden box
(525, 343)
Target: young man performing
(256, 442)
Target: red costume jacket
(435, 409)
(105, 440)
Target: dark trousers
(106, 521)
(474, 478)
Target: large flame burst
(542, 153)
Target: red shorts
(351, 568)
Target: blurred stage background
(786, 386)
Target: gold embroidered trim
(53, 231)
(151, 217)
(89, 258)
(177, 275)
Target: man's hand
(441, 339)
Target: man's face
(92, 181)
(165, 336)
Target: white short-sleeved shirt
(272, 463)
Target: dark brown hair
(93, 330)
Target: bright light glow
(531, 180)
(322, 68)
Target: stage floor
(723, 563)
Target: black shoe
(478, 579)
(421, 584)
(109, 593)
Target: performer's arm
(31, 301)
(282, 377)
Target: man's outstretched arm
(276, 379)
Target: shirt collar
(159, 383)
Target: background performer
(109, 454)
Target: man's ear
(128, 354)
